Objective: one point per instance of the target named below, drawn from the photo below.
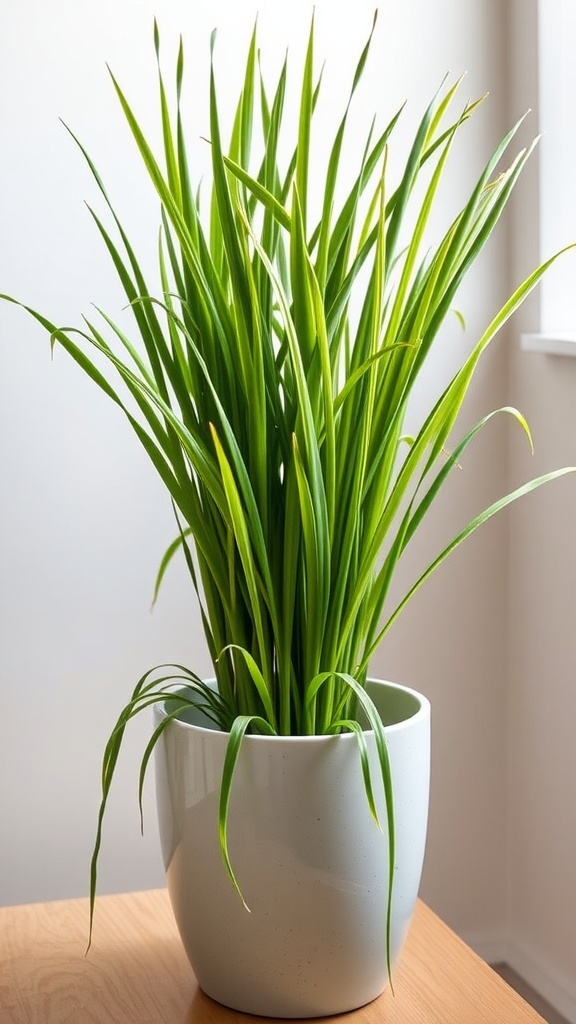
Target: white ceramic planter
(312, 865)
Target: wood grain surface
(137, 973)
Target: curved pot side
(311, 863)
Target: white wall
(542, 615)
(84, 521)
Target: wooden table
(137, 972)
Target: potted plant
(269, 384)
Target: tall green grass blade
(479, 520)
(304, 126)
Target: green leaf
(259, 682)
(479, 520)
(171, 550)
(239, 728)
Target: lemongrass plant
(274, 363)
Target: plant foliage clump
(270, 383)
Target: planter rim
(422, 711)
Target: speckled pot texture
(311, 863)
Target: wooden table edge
(137, 972)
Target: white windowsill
(553, 343)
